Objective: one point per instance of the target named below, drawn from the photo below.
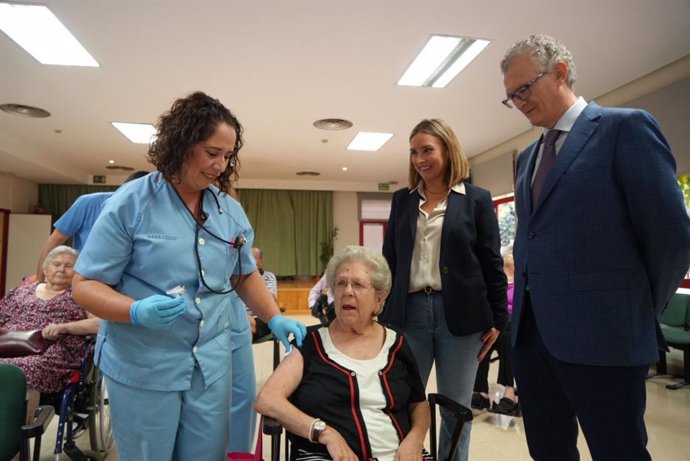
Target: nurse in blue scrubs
(159, 266)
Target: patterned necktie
(548, 158)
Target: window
(505, 212)
(374, 210)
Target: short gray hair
(548, 52)
(380, 272)
(57, 251)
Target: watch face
(320, 426)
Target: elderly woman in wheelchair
(50, 308)
(352, 390)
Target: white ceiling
(280, 65)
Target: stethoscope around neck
(199, 221)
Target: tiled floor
(496, 437)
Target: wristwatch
(317, 427)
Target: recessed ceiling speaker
(332, 124)
(24, 111)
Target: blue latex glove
(157, 311)
(281, 327)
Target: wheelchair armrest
(461, 412)
(272, 426)
(42, 417)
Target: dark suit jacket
(607, 243)
(472, 278)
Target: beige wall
(496, 174)
(671, 107)
(27, 234)
(345, 217)
(17, 195)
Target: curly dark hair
(189, 121)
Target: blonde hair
(458, 165)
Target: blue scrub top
(78, 220)
(143, 244)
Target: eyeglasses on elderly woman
(358, 286)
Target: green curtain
(289, 227)
(57, 198)
(314, 221)
(270, 213)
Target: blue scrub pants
(242, 413)
(455, 357)
(164, 425)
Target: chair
(460, 413)
(675, 326)
(14, 434)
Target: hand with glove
(281, 327)
(157, 311)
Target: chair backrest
(12, 409)
(676, 312)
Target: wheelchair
(459, 414)
(83, 405)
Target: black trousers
(608, 402)
(505, 364)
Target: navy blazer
(606, 244)
(472, 278)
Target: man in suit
(603, 241)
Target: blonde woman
(449, 289)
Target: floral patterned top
(22, 310)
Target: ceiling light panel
(369, 141)
(139, 133)
(441, 60)
(36, 29)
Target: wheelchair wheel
(100, 429)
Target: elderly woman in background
(352, 390)
(49, 306)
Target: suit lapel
(582, 130)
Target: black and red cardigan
(330, 392)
